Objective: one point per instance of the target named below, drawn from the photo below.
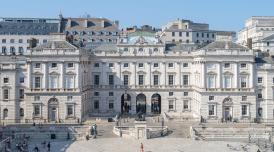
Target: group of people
(44, 146)
(22, 146)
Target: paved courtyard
(152, 145)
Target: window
(173, 34)
(53, 82)
(187, 41)
(155, 65)
(70, 65)
(6, 94)
(185, 104)
(211, 98)
(155, 49)
(22, 79)
(4, 40)
(11, 40)
(211, 81)
(140, 65)
(227, 65)
(207, 35)
(125, 80)
(243, 65)
(20, 40)
(110, 65)
(37, 82)
(244, 110)
(96, 65)
(244, 98)
(260, 112)
(170, 79)
(36, 110)
(243, 82)
(170, 93)
(110, 79)
(155, 79)
(227, 81)
(69, 80)
(170, 65)
(37, 65)
(185, 80)
(110, 104)
(110, 94)
(4, 50)
(21, 112)
(21, 50)
(141, 79)
(45, 41)
(6, 80)
(96, 94)
(260, 80)
(141, 50)
(69, 110)
(69, 98)
(187, 34)
(267, 43)
(185, 65)
(53, 65)
(272, 80)
(125, 65)
(96, 79)
(96, 104)
(36, 98)
(21, 94)
(180, 34)
(185, 93)
(170, 104)
(202, 34)
(213, 35)
(260, 95)
(211, 110)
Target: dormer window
(141, 50)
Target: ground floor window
(96, 104)
(5, 113)
(111, 104)
(37, 110)
(21, 112)
(244, 110)
(211, 110)
(170, 104)
(186, 104)
(70, 110)
(260, 112)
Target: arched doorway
(156, 104)
(227, 109)
(5, 113)
(125, 103)
(141, 103)
(53, 106)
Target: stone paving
(152, 145)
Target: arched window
(5, 113)
(141, 50)
(21, 112)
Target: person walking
(49, 147)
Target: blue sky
(220, 14)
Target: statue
(140, 116)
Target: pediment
(126, 72)
(54, 73)
(227, 73)
(244, 73)
(211, 73)
(37, 73)
(141, 72)
(70, 73)
(156, 72)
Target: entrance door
(125, 103)
(227, 113)
(53, 110)
(156, 104)
(53, 114)
(140, 103)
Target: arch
(141, 103)
(125, 103)
(156, 104)
(53, 109)
(5, 113)
(227, 109)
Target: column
(180, 73)
(236, 75)
(150, 78)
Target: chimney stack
(102, 23)
(86, 23)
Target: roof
(269, 38)
(105, 47)
(180, 47)
(55, 45)
(224, 45)
(92, 24)
(25, 28)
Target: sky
(219, 14)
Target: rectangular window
(243, 65)
(110, 79)
(260, 80)
(69, 98)
(227, 81)
(20, 40)
(53, 65)
(260, 95)
(267, 43)
(244, 98)
(6, 80)
(53, 82)
(96, 79)
(96, 104)
(36, 98)
(125, 65)
(244, 110)
(125, 80)
(111, 65)
(197, 34)
(37, 82)
(155, 65)
(185, 65)
(185, 104)
(170, 79)
(69, 110)
(243, 82)
(110, 94)
(227, 65)
(210, 98)
(140, 65)
(97, 65)
(170, 104)
(69, 82)
(22, 79)
(180, 34)
(187, 34)
(37, 65)
(185, 80)
(70, 65)
(185, 93)
(21, 94)
(96, 94)
(6, 94)
(141, 79)
(155, 79)
(4, 40)
(111, 104)
(36, 110)
(211, 110)
(173, 34)
(211, 82)
(170, 93)
(170, 65)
